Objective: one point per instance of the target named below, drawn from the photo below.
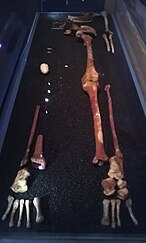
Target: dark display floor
(70, 188)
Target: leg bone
(15, 207)
(113, 204)
(10, 203)
(20, 212)
(128, 204)
(105, 218)
(37, 205)
(27, 205)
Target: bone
(116, 168)
(111, 42)
(37, 205)
(104, 15)
(128, 204)
(14, 209)
(109, 185)
(27, 205)
(106, 42)
(9, 206)
(24, 161)
(118, 205)
(20, 183)
(38, 160)
(122, 193)
(113, 204)
(121, 184)
(21, 206)
(105, 219)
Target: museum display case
(73, 131)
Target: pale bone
(27, 206)
(21, 206)
(111, 42)
(128, 204)
(113, 204)
(105, 218)
(104, 15)
(9, 206)
(118, 204)
(106, 41)
(14, 209)
(121, 184)
(37, 205)
(122, 193)
(116, 168)
(20, 182)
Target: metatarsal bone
(15, 207)
(27, 205)
(113, 204)
(105, 218)
(10, 203)
(111, 42)
(37, 205)
(106, 41)
(20, 212)
(128, 204)
(118, 204)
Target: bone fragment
(121, 184)
(128, 204)
(116, 168)
(104, 15)
(105, 218)
(38, 160)
(111, 42)
(37, 205)
(109, 185)
(118, 204)
(20, 182)
(106, 41)
(122, 194)
(21, 206)
(113, 204)
(27, 205)
(9, 206)
(14, 209)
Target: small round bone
(14, 209)
(37, 205)
(10, 203)
(44, 68)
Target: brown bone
(38, 159)
(90, 84)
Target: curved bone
(128, 204)
(113, 204)
(38, 160)
(21, 206)
(25, 158)
(27, 206)
(90, 84)
(9, 206)
(20, 182)
(111, 42)
(105, 218)
(104, 15)
(37, 205)
(106, 42)
(118, 204)
(15, 207)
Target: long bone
(116, 162)
(9, 206)
(113, 206)
(27, 206)
(14, 209)
(128, 204)
(90, 84)
(106, 41)
(105, 219)
(38, 160)
(21, 206)
(118, 204)
(37, 205)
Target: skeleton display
(15, 204)
(20, 182)
(90, 84)
(115, 186)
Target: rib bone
(20, 182)
(90, 84)
(128, 204)
(21, 206)
(27, 205)
(38, 159)
(113, 204)
(105, 218)
(37, 205)
(15, 207)
(118, 204)
(9, 206)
